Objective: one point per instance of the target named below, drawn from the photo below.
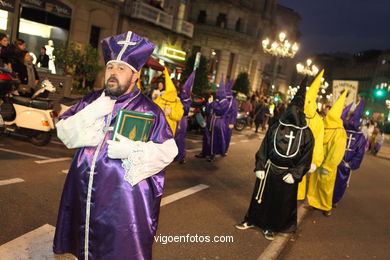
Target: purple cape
(354, 153)
(217, 128)
(123, 219)
(181, 129)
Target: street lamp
(280, 48)
(310, 69)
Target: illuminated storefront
(44, 23)
(7, 10)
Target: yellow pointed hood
(333, 118)
(170, 93)
(311, 96)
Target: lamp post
(309, 69)
(280, 48)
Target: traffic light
(378, 93)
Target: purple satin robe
(181, 129)
(231, 117)
(354, 153)
(123, 219)
(217, 129)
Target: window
(94, 36)
(222, 21)
(202, 17)
(238, 25)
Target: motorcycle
(242, 120)
(197, 114)
(32, 117)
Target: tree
(201, 84)
(242, 83)
(82, 65)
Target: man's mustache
(113, 78)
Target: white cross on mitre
(126, 43)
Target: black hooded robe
(286, 148)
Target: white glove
(323, 171)
(347, 165)
(120, 149)
(231, 126)
(210, 99)
(313, 167)
(288, 178)
(100, 107)
(168, 111)
(260, 174)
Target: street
(200, 199)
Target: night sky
(342, 25)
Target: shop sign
(8, 5)
(51, 6)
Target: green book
(133, 124)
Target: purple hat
(187, 86)
(221, 91)
(127, 48)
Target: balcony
(151, 14)
(184, 27)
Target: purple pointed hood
(221, 91)
(354, 121)
(229, 88)
(345, 112)
(187, 87)
(127, 48)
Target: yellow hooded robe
(321, 185)
(316, 125)
(170, 103)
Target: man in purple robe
(231, 115)
(354, 151)
(181, 130)
(217, 128)
(111, 199)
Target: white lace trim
(133, 165)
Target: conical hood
(221, 91)
(229, 88)
(187, 87)
(311, 96)
(345, 112)
(294, 114)
(170, 92)
(354, 121)
(333, 118)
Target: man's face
(119, 79)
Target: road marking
(194, 150)
(65, 171)
(233, 143)
(54, 160)
(56, 142)
(244, 141)
(182, 194)
(25, 154)
(195, 141)
(273, 250)
(10, 181)
(36, 244)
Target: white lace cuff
(133, 164)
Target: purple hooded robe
(354, 152)
(231, 115)
(123, 218)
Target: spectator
(260, 116)
(4, 61)
(27, 74)
(159, 87)
(43, 59)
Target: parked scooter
(197, 114)
(242, 120)
(32, 117)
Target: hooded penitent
(103, 214)
(322, 181)
(354, 152)
(231, 115)
(217, 128)
(185, 98)
(316, 125)
(286, 149)
(170, 103)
